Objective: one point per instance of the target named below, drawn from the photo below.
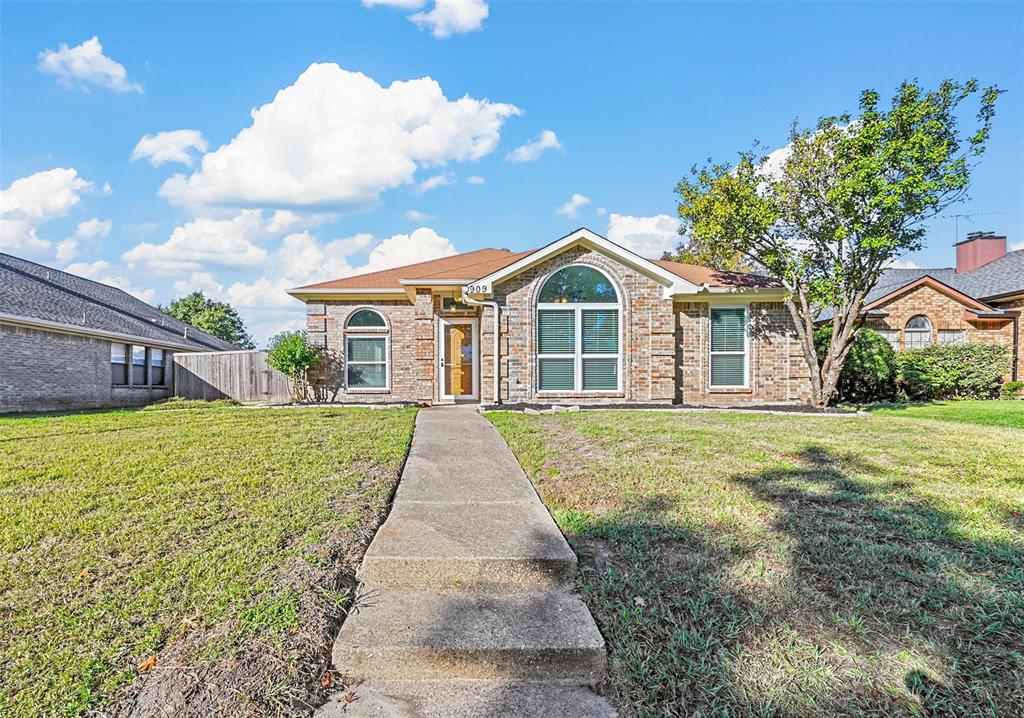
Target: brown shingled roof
(468, 266)
(698, 275)
(479, 263)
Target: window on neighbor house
(728, 347)
(157, 372)
(138, 366)
(952, 337)
(578, 333)
(118, 364)
(890, 335)
(366, 350)
(918, 332)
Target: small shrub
(292, 354)
(951, 372)
(1012, 390)
(869, 371)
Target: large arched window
(578, 332)
(366, 350)
(918, 332)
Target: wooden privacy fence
(241, 375)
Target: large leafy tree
(217, 318)
(848, 197)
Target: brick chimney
(979, 249)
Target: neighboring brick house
(977, 301)
(71, 343)
(581, 320)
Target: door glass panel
(458, 359)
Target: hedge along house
(581, 320)
(72, 343)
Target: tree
(217, 318)
(705, 256)
(292, 354)
(851, 195)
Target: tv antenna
(969, 216)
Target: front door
(458, 359)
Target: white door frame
(442, 390)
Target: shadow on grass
(860, 603)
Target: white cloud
(338, 138)
(575, 203)
(34, 200)
(85, 65)
(301, 259)
(205, 241)
(531, 151)
(88, 230)
(199, 282)
(441, 180)
(601, 211)
(284, 220)
(172, 146)
(404, 4)
(475, 179)
(99, 271)
(903, 264)
(416, 216)
(647, 236)
(1017, 247)
(450, 17)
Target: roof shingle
(34, 291)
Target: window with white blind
(578, 332)
(139, 362)
(366, 362)
(119, 364)
(729, 347)
(156, 367)
(952, 337)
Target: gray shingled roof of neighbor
(34, 291)
(1001, 277)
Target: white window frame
(891, 336)
(745, 352)
(577, 356)
(960, 333)
(386, 362)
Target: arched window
(366, 350)
(578, 332)
(918, 332)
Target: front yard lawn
(188, 561)
(983, 413)
(761, 565)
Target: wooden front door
(458, 359)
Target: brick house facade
(663, 313)
(978, 301)
(72, 343)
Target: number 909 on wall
(478, 288)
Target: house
(977, 301)
(72, 343)
(580, 320)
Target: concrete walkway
(465, 607)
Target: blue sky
(610, 102)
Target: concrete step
(470, 634)
(467, 545)
(467, 699)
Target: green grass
(1008, 414)
(760, 565)
(125, 534)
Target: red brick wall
(1017, 303)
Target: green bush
(1012, 390)
(869, 372)
(292, 354)
(951, 372)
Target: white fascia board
(304, 293)
(434, 282)
(730, 294)
(594, 241)
(75, 330)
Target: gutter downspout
(497, 341)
